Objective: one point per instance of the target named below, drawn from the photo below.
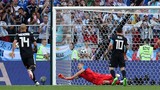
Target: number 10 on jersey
(119, 44)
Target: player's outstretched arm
(13, 48)
(14, 45)
(72, 77)
(110, 47)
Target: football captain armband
(85, 67)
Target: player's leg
(112, 72)
(113, 75)
(123, 71)
(103, 79)
(108, 79)
(30, 66)
(109, 82)
(31, 69)
(113, 64)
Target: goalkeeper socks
(123, 73)
(113, 73)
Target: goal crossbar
(101, 8)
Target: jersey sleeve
(32, 37)
(84, 67)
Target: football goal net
(88, 30)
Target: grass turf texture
(79, 87)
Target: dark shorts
(28, 61)
(117, 60)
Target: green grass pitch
(107, 87)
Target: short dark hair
(119, 30)
(81, 63)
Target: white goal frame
(82, 8)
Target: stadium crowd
(35, 13)
(88, 26)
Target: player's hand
(125, 57)
(61, 76)
(106, 53)
(12, 54)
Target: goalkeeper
(89, 75)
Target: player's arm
(126, 46)
(34, 43)
(33, 40)
(13, 48)
(35, 47)
(72, 77)
(14, 45)
(110, 47)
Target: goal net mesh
(90, 31)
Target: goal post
(92, 9)
(54, 48)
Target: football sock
(123, 73)
(113, 73)
(110, 82)
(34, 78)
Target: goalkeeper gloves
(66, 78)
(61, 76)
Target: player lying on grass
(89, 75)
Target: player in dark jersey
(25, 40)
(91, 76)
(118, 45)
